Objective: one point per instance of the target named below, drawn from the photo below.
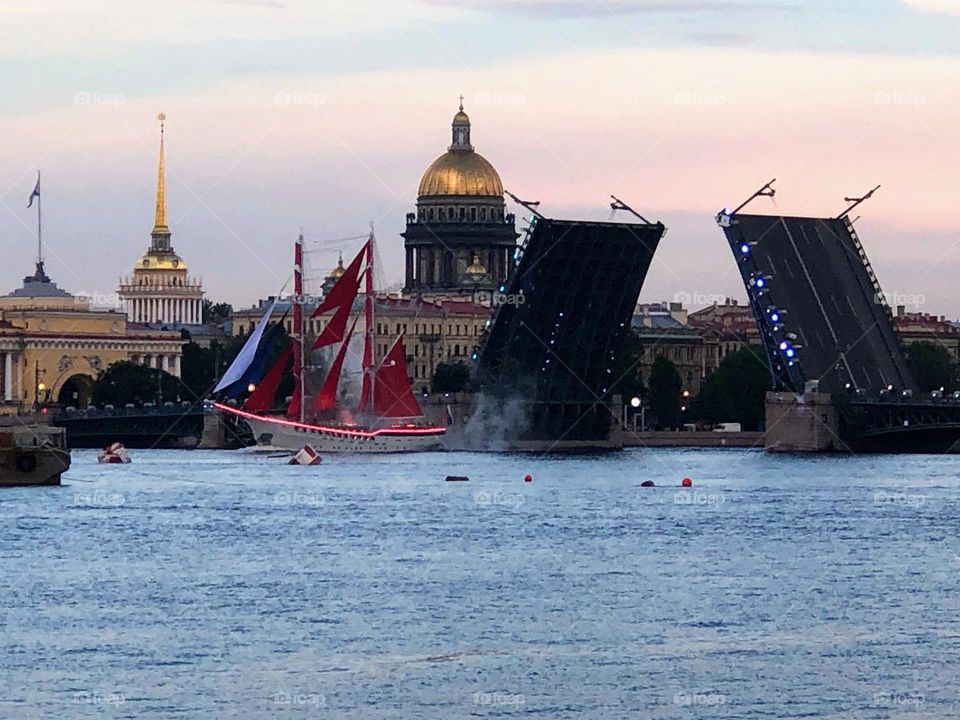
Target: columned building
(460, 240)
(54, 345)
(159, 291)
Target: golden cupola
(461, 171)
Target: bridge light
(635, 402)
(775, 316)
(745, 249)
(251, 387)
(791, 352)
(784, 345)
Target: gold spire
(160, 223)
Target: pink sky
(678, 132)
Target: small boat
(33, 455)
(387, 419)
(113, 454)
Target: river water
(218, 584)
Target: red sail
(344, 292)
(293, 409)
(392, 392)
(261, 399)
(333, 332)
(327, 397)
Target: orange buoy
(687, 482)
(528, 478)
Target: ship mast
(368, 363)
(298, 335)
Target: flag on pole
(36, 191)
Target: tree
(933, 367)
(664, 395)
(451, 377)
(629, 383)
(736, 391)
(216, 312)
(127, 382)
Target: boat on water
(387, 418)
(33, 455)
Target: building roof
(39, 285)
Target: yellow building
(53, 345)
(159, 290)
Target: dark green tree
(664, 394)
(451, 377)
(216, 312)
(736, 391)
(126, 382)
(629, 383)
(933, 366)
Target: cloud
(608, 8)
(935, 6)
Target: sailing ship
(387, 419)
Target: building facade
(53, 345)
(460, 240)
(664, 332)
(159, 290)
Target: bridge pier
(801, 423)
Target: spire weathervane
(160, 222)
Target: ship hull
(282, 434)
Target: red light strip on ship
(336, 430)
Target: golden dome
(461, 117)
(152, 261)
(461, 172)
(339, 270)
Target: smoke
(495, 424)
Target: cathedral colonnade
(146, 309)
(12, 380)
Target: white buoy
(113, 454)
(306, 456)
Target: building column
(176, 365)
(8, 376)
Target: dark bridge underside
(558, 351)
(817, 275)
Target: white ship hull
(279, 433)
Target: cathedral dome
(461, 172)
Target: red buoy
(528, 478)
(687, 482)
